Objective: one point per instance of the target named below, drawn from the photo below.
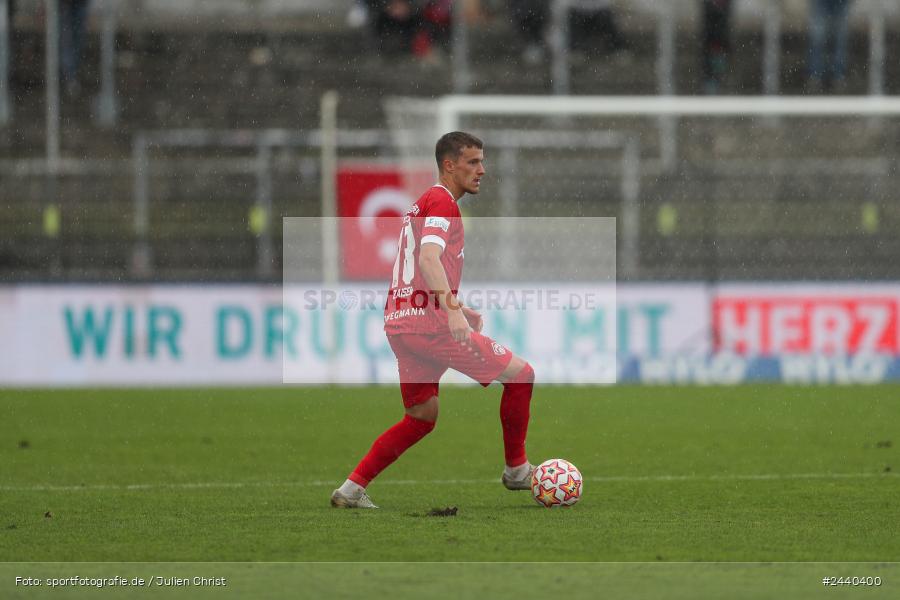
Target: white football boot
(523, 483)
(340, 500)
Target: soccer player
(429, 330)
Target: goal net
(703, 188)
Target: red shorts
(422, 359)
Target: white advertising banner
(140, 335)
(246, 334)
(146, 335)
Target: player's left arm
(435, 232)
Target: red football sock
(388, 447)
(514, 414)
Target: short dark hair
(451, 146)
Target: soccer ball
(556, 482)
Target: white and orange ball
(556, 482)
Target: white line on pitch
(321, 483)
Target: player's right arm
(433, 271)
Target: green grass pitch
(747, 474)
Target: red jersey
(412, 307)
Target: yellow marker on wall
(257, 219)
(666, 219)
(51, 220)
(869, 217)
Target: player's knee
(426, 411)
(524, 375)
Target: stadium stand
(743, 227)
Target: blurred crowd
(73, 20)
(826, 62)
(422, 28)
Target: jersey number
(409, 263)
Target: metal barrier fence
(509, 144)
(743, 201)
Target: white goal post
(450, 108)
(415, 120)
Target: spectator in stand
(593, 21)
(828, 32)
(395, 23)
(437, 19)
(416, 26)
(716, 43)
(530, 18)
(72, 28)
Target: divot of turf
(450, 511)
